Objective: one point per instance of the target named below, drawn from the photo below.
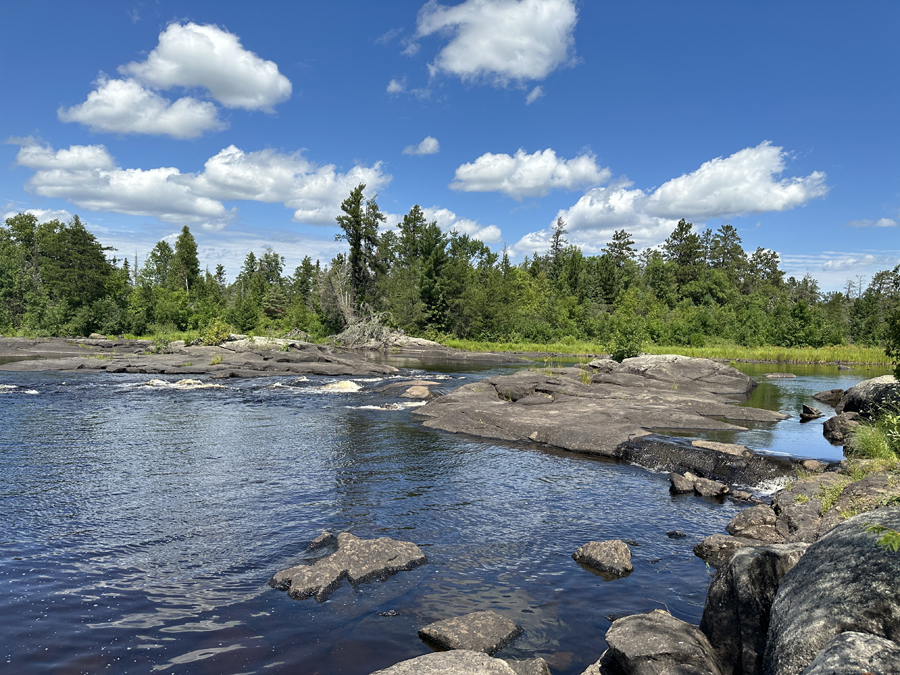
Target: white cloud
(42, 215)
(534, 95)
(126, 107)
(742, 183)
(212, 58)
(396, 86)
(88, 177)
(450, 222)
(501, 40)
(881, 222)
(429, 146)
(745, 182)
(524, 175)
(856, 262)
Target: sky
(251, 122)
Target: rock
(727, 448)
(741, 495)
(676, 534)
(830, 397)
(456, 662)
(96, 336)
(657, 642)
(861, 496)
(853, 652)
(813, 465)
(681, 484)
(838, 428)
(356, 559)
(870, 396)
(717, 549)
(736, 613)
(842, 367)
(388, 388)
(417, 392)
(536, 666)
(780, 376)
(611, 558)
(757, 522)
(710, 488)
(808, 413)
(845, 581)
(486, 632)
(323, 540)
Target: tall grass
(879, 439)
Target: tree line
(57, 279)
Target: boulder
(323, 540)
(611, 558)
(681, 484)
(356, 559)
(846, 581)
(717, 549)
(486, 632)
(710, 488)
(808, 413)
(837, 429)
(830, 397)
(418, 392)
(757, 522)
(870, 396)
(456, 662)
(736, 613)
(853, 652)
(799, 523)
(535, 666)
(655, 643)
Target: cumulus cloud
(429, 146)
(205, 58)
(856, 262)
(42, 215)
(534, 95)
(89, 177)
(501, 41)
(450, 222)
(523, 175)
(881, 222)
(126, 107)
(745, 182)
(396, 86)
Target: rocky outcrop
(870, 396)
(736, 613)
(355, 559)
(716, 550)
(845, 582)
(611, 559)
(853, 652)
(837, 429)
(608, 408)
(757, 522)
(829, 397)
(486, 632)
(456, 662)
(657, 643)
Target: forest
(696, 289)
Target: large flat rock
(357, 560)
(596, 410)
(486, 632)
(456, 662)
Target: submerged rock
(612, 559)
(357, 560)
(486, 632)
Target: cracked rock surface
(357, 560)
(486, 632)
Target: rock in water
(611, 558)
(853, 652)
(837, 429)
(486, 632)
(717, 549)
(356, 559)
(710, 488)
(830, 397)
(456, 662)
(682, 484)
(845, 581)
(870, 396)
(736, 614)
(808, 413)
(757, 522)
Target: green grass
(878, 440)
(843, 354)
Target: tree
(683, 248)
(620, 249)
(185, 265)
(727, 254)
(360, 225)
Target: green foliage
(890, 538)
(878, 439)
(216, 333)
(216, 360)
(829, 494)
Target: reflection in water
(141, 525)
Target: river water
(140, 525)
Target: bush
(216, 333)
(879, 439)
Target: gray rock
(357, 560)
(456, 662)
(853, 652)
(741, 495)
(808, 413)
(799, 523)
(486, 632)
(656, 642)
(736, 614)
(837, 429)
(418, 392)
(870, 396)
(845, 581)
(323, 540)
(830, 397)
(536, 666)
(717, 549)
(710, 488)
(757, 522)
(780, 376)
(681, 484)
(611, 558)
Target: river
(140, 525)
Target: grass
(829, 494)
(878, 440)
(840, 353)
(216, 360)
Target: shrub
(879, 439)
(216, 333)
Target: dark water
(140, 525)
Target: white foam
(343, 386)
(182, 385)
(7, 387)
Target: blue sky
(250, 122)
